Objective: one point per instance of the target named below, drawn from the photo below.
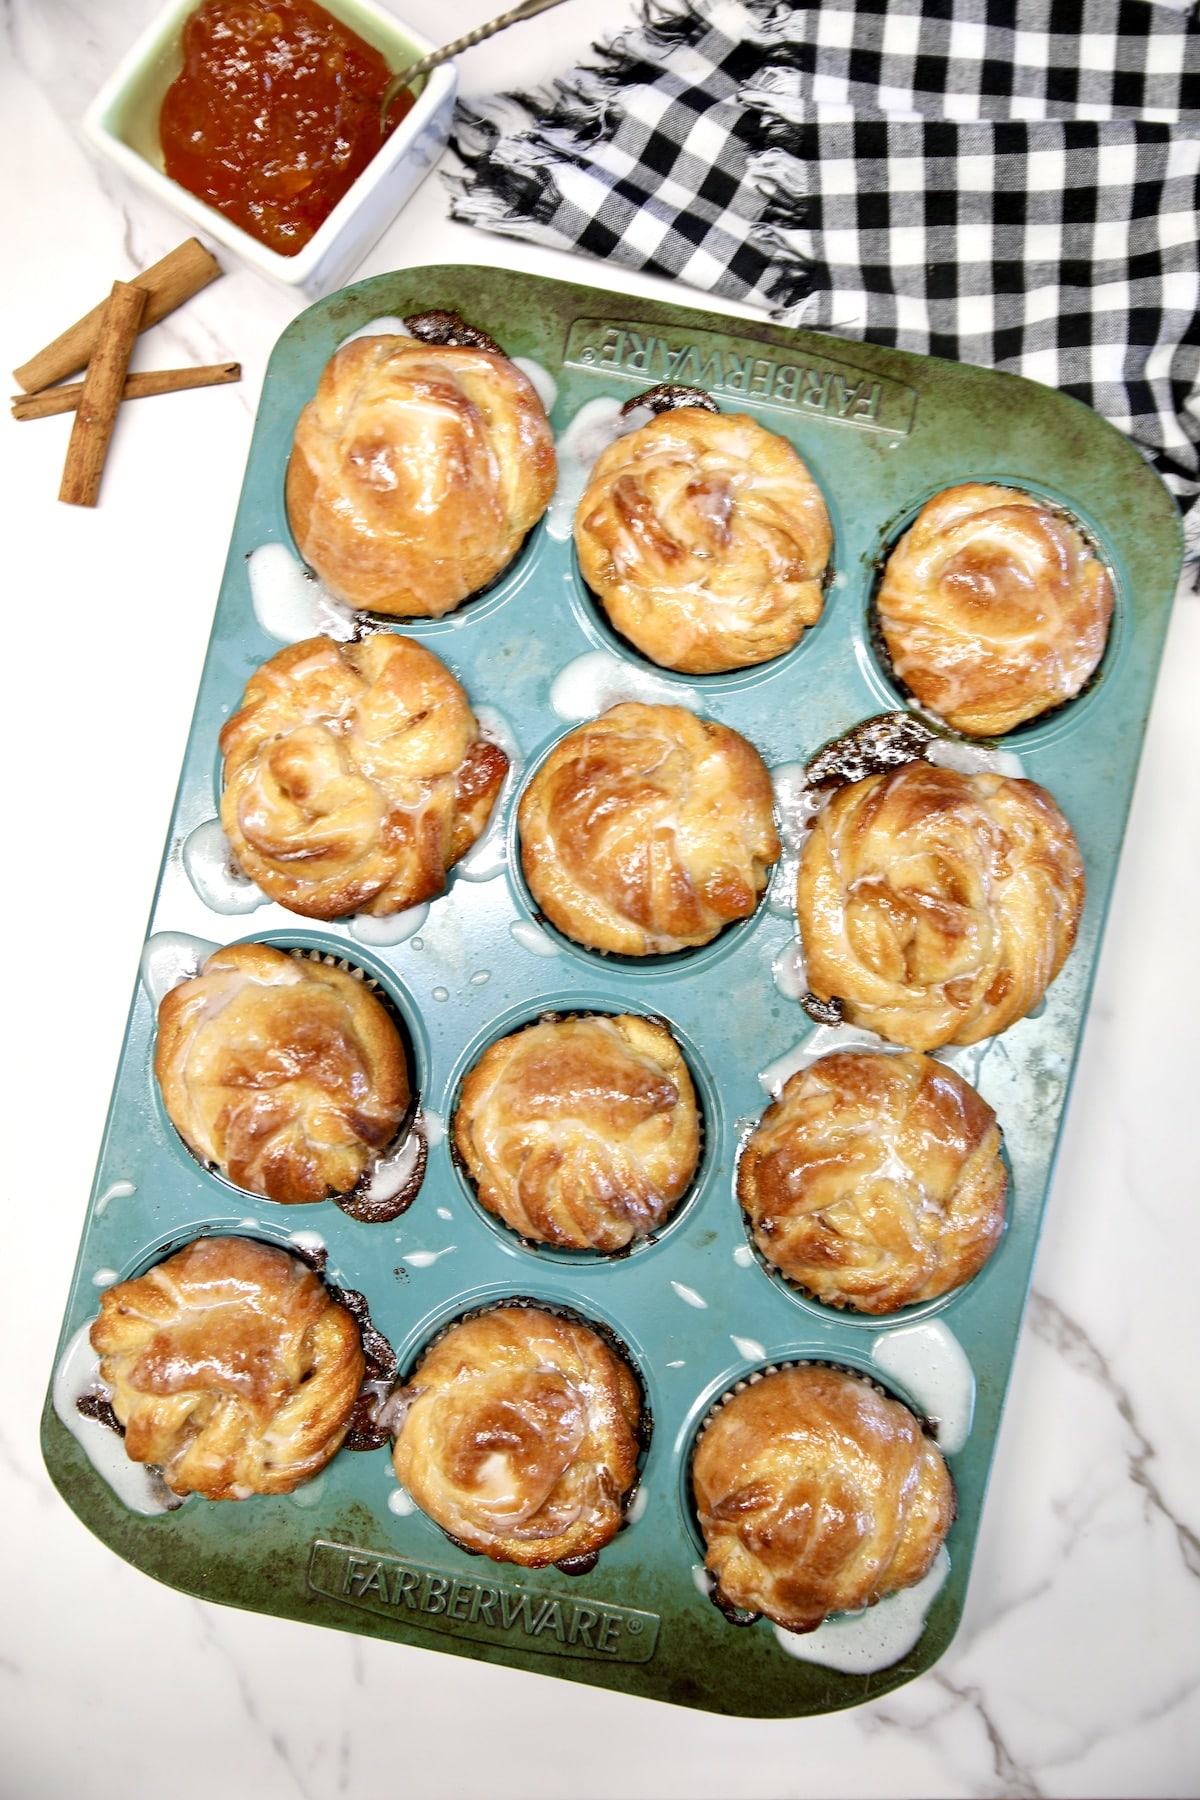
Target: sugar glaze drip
(77, 1378)
(209, 864)
(929, 1361)
(592, 683)
(290, 603)
(863, 1642)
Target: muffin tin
(881, 431)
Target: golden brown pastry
(231, 1368)
(288, 1075)
(875, 1180)
(993, 607)
(648, 830)
(817, 1494)
(416, 472)
(706, 539)
(520, 1436)
(938, 907)
(355, 776)
(583, 1132)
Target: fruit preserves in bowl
(122, 123)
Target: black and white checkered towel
(1014, 183)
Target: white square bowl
(122, 123)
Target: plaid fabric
(1013, 183)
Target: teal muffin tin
(881, 431)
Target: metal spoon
(406, 77)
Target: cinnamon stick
(96, 413)
(137, 387)
(167, 285)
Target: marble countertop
(1076, 1669)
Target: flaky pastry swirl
(816, 1495)
(938, 907)
(289, 1076)
(231, 1368)
(994, 608)
(583, 1131)
(648, 830)
(355, 776)
(416, 472)
(875, 1180)
(520, 1436)
(706, 539)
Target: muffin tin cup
(80, 1395)
(1043, 727)
(709, 1405)
(690, 958)
(883, 1621)
(550, 1301)
(312, 946)
(911, 1313)
(880, 430)
(575, 1005)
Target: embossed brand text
(758, 372)
(490, 1610)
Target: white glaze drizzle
(821, 1042)
(973, 759)
(210, 867)
(743, 1256)
(443, 1212)
(139, 1488)
(393, 928)
(116, 1190)
(789, 971)
(290, 603)
(781, 889)
(748, 1347)
(796, 806)
(596, 425)
(392, 1172)
(486, 859)
(540, 380)
(689, 1295)
(592, 683)
(401, 1502)
(876, 1638)
(637, 1506)
(929, 1361)
(702, 1580)
(385, 326)
(170, 957)
(531, 937)
(424, 1259)
(312, 1241)
(434, 1127)
(105, 1278)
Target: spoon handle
(527, 10)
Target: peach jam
(274, 115)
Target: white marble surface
(1076, 1670)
